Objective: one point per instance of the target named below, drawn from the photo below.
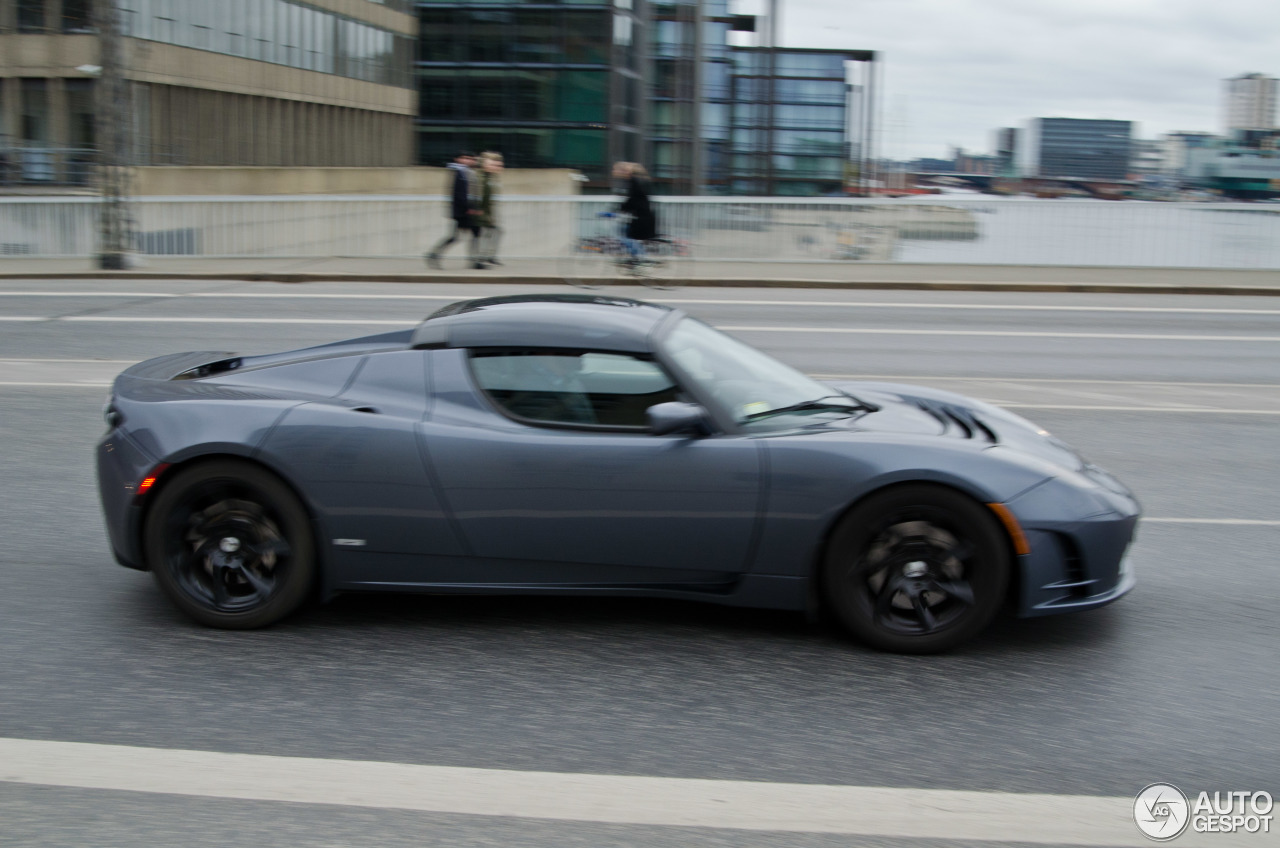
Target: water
(1030, 231)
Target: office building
(1006, 148)
(1250, 103)
(236, 82)
(584, 83)
(1234, 169)
(1146, 158)
(1075, 148)
(799, 127)
(552, 85)
(690, 96)
(1177, 147)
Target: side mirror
(688, 419)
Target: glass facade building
(799, 126)
(1075, 147)
(691, 96)
(549, 84)
(583, 83)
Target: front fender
(813, 480)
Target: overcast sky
(954, 70)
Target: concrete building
(1250, 103)
(236, 82)
(1075, 147)
(1146, 158)
(1177, 147)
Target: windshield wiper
(822, 403)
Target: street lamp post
(115, 150)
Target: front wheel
(585, 264)
(917, 569)
(230, 545)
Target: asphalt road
(1179, 682)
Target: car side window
(572, 387)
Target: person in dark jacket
(464, 210)
(643, 224)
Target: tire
(916, 569)
(661, 266)
(583, 266)
(230, 545)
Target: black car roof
(577, 321)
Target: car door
(546, 464)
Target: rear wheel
(661, 265)
(916, 569)
(230, 545)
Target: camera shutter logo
(1161, 812)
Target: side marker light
(1020, 544)
(150, 480)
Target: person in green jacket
(490, 232)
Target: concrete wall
(170, 181)
(197, 106)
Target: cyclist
(644, 223)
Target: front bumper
(121, 464)
(1074, 564)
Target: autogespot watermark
(1162, 812)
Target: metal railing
(935, 229)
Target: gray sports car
(596, 446)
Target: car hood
(918, 410)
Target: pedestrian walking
(464, 210)
(490, 185)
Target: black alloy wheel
(917, 569)
(230, 545)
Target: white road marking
(884, 378)
(878, 331)
(1009, 307)
(886, 331)
(89, 385)
(88, 294)
(1226, 522)
(948, 815)
(1082, 408)
(899, 378)
(23, 318)
(131, 319)
(857, 304)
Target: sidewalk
(849, 275)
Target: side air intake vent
(957, 420)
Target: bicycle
(602, 257)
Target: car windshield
(757, 389)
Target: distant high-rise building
(1251, 103)
(1177, 146)
(1006, 151)
(1075, 147)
